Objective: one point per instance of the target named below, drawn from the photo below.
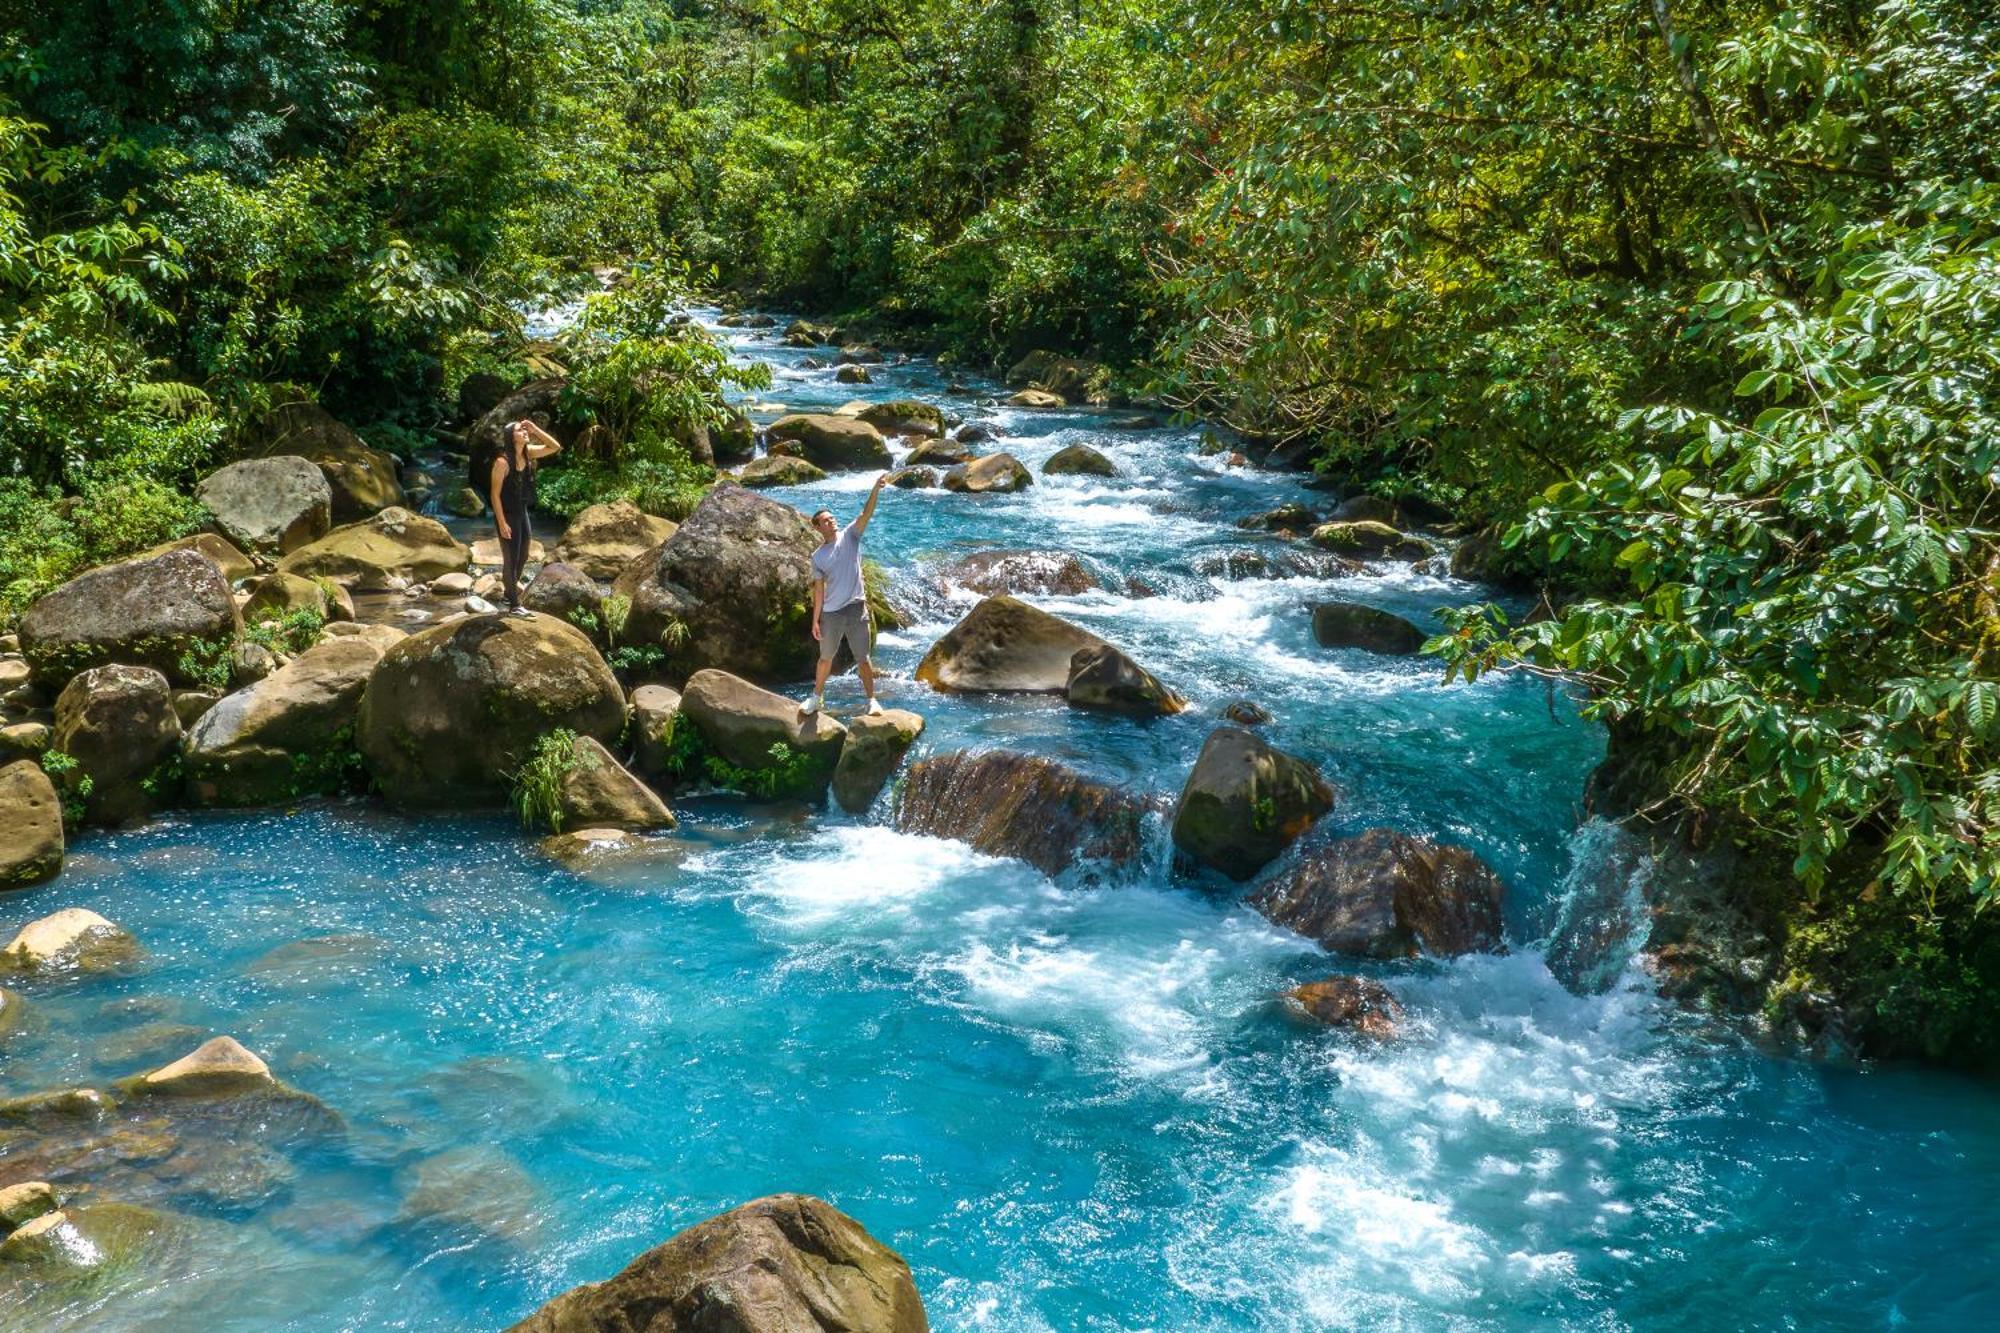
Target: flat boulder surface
(392, 543)
(992, 474)
(119, 725)
(1245, 802)
(836, 443)
(1005, 645)
(784, 1264)
(740, 723)
(271, 505)
(604, 538)
(146, 612)
(31, 830)
(904, 416)
(1384, 894)
(875, 747)
(597, 792)
(360, 480)
(1007, 804)
(289, 734)
(452, 711)
(1353, 625)
(730, 590)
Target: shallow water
(1068, 1108)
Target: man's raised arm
(868, 510)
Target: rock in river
(219, 1067)
(1368, 540)
(742, 724)
(1353, 625)
(778, 470)
(271, 505)
(153, 611)
(1356, 1003)
(1106, 679)
(875, 746)
(784, 1264)
(1079, 460)
(31, 831)
(75, 939)
(1385, 894)
(995, 474)
(1003, 644)
(904, 416)
(836, 443)
(598, 792)
(990, 572)
(1245, 802)
(1007, 804)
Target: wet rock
(1007, 804)
(1246, 712)
(731, 589)
(290, 734)
(783, 1264)
(655, 710)
(25, 1202)
(1245, 802)
(1286, 518)
(219, 551)
(994, 474)
(597, 791)
(567, 593)
(54, 1109)
(853, 375)
(1105, 679)
(579, 847)
(31, 831)
(119, 726)
(1036, 398)
(270, 505)
(393, 543)
(940, 452)
(71, 1242)
(13, 1013)
(1358, 1004)
(995, 572)
(779, 470)
(1369, 541)
(875, 747)
(904, 416)
(152, 611)
(914, 479)
(464, 502)
(742, 724)
(1385, 894)
(858, 354)
(1353, 625)
(219, 1067)
(604, 538)
(974, 432)
(147, 1043)
(836, 443)
(1003, 645)
(477, 1194)
(451, 712)
(1079, 460)
(75, 939)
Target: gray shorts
(850, 622)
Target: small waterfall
(1602, 909)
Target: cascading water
(1601, 919)
(1070, 1106)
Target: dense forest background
(1689, 305)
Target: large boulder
(1367, 539)
(778, 470)
(31, 831)
(75, 939)
(731, 589)
(360, 480)
(1072, 378)
(567, 593)
(167, 612)
(394, 543)
(836, 443)
(994, 572)
(279, 594)
(784, 1264)
(1245, 802)
(119, 728)
(232, 562)
(993, 474)
(597, 792)
(1106, 679)
(452, 711)
(761, 735)
(655, 711)
(289, 735)
(539, 399)
(1384, 894)
(1007, 804)
(272, 505)
(1005, 645)
(1353, 625)
(1079, 460)
(604, 538)
(875, 747)
(940, 453)
(904, 416)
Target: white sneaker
(874, 708)
(810, 706)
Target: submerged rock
(119, 726)
(1245, 802)
(762, 734)
(604, 538)
(1358, 1004)
(993, 474)
(1106, 679)
(784, 1264)
(394, 543)
(597, 791)
(875, 747)
(1005, 645)
(577, 848)
(272, 505)
(1354, 625)
(995, 572)
(476, 1194)
(72, 1242)
(31, 830)
(1384, 894)
(157, 611)
(75, 939)
(1008, 804)
(836, 443)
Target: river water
(1069, 1108)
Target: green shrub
(538, 783)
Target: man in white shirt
(840, 602)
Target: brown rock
(119, 726)
(598, 792)
(604, 538)
(1007, 804)
(1356, 1003)
(1245, 802)
(1385, 894)
(875, 746)
(1005, 645)
(31, 831)
(1106, 679)
(993, 474)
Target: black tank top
(517, 488)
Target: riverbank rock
(1286, 520)
(567, 593)
(778, 470)
(1072, 378)
(75, 939)
(277, 595)
(451, 711)
(1357, 1004)
(784, 1264)
(1037, 399)
(394, 543)
(736, 579)
(289, 735)
(993, 474)
(904, 416)
(741, 724)
(836, 443)
(655, 710)
(1368, 540)
(1079, 460)
(1353, 625)
(1005, 645)
(875, 747)
(1384, 894)
(271, 505)
(1245, 802)
(997, 572)
(604, 538)
(119, 726)
(1105, 679)
(1034, 809)
(219, 550)
(734, 441)
(597, 792)
(360, 480)
(940, 453)
(31, 830)
(152, 611)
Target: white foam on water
(865, 872)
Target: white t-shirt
(838, 562)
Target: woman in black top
(523, 444)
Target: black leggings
(514, 555)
